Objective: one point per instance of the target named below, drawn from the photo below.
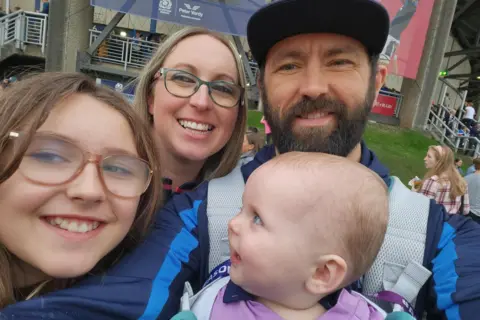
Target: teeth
(314, 115)
(73, 225)
(195, 125)
(64, 224)
(83, 227)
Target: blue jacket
(148, 283)
(470, 170)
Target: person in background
(137, 47)
(471, 169)
(268, 131)
(443, 182)
(472, 143)
(475, 129)
(473, 181)
(458, 165)
(463, 131)
(447, 102)
(45, 7)
(469, 116)
(449, 119)
(253, 141)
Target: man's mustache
(325, 105)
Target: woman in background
(443, 182)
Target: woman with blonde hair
(443, 182)
(193, 94)
(78, 188)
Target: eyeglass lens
(54, 161)
(183, 84)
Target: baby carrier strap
(399, 264)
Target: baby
(310, 225)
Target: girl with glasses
(79, 183)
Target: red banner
(409, 20)
(385, 105)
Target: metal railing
(8, 27)
(447, 133)
(254, 67)
(36, 29)
(124, 51)
(130, 52)
(24, 28)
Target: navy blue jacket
(148, 283)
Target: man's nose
(315, 83)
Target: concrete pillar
(68, 32)
(418, 92)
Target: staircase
(448, 133)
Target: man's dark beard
(341, 141)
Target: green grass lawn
(254, 118)
(401, 150)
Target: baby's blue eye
(257, 220)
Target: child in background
(463, 131)
(295, 243)
(252, 143)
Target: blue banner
(225, 16)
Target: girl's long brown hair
(24, 107)
(446, 171)
(225, 160)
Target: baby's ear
(329, 275)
